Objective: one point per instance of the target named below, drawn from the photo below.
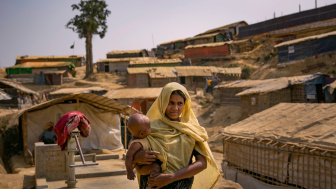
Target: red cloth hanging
(67, 123)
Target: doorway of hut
(182, 80)
(107, 68)
(319, 93)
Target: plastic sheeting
(105, 125)
(310, 86)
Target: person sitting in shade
(48, 136)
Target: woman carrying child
(176, 138)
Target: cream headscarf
(176, 140)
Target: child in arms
(139, 126)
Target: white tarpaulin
(105, 125)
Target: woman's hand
(144, 157)
(160, 180)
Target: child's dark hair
(179, 92)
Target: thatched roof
(216, 44)
(291, 42)
(222, 28)
(125, 52)
(4, 96)
(18, 86)
(179, 40)
(54, 71)
(301, 124)
(125, 59)
(134, 93)
(49, 57)
(77, 90)
(277, 84)
(154, 72)
(203, 71)
(155, 61)
(42, 65)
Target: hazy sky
(37, 27)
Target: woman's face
(175, 107)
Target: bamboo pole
(125, 131)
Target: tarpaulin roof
(4, 96)
(49, 57)
(203, 36)
(277, 84)
(125, 52)
(216, 44)
(222, 28)
(136, 93)
(54, 71)
(156, 61)
(42, 65)
(302, 124)
(154, 72)
(204, 71)
(125, 59)
(306, 39)
(18, 86)
(179, 40)
(77, 90)
(90, 98)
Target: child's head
(139, 125)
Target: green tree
(91, 21)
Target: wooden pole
(125, 131)
(24, 133)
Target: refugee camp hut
(156, 62)
(291, 145)
(77, 60)
(187, 75)
(228, 91)
(227, 74)
(267, 94)
(49, 77)
(330, 94)
(233, 29)
(204, 39)
(321, 46)
(117, 64)
(103, 113)
(127, 53)
(29, 69)
(69, 91)
(211, 50)
(21, 97)
(139, 98)
(150, 76)
(176, 44)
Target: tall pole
(299, 8)
(315, 4)
(125, 129)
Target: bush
(233, 65)
(246, 72)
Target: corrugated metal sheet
(155, 61)
(42, 65)
(18, 86)
(125, 52)
(125, 59)
(49, 57)
(222, 28)
(314, 37)
(136, 93)
(154, 72)
(208, 52)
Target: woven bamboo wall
(281, 164)
(264, 101)
(298, 93)
(161, 82)
(228, 96)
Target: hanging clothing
(67, 123)
(176, 141)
